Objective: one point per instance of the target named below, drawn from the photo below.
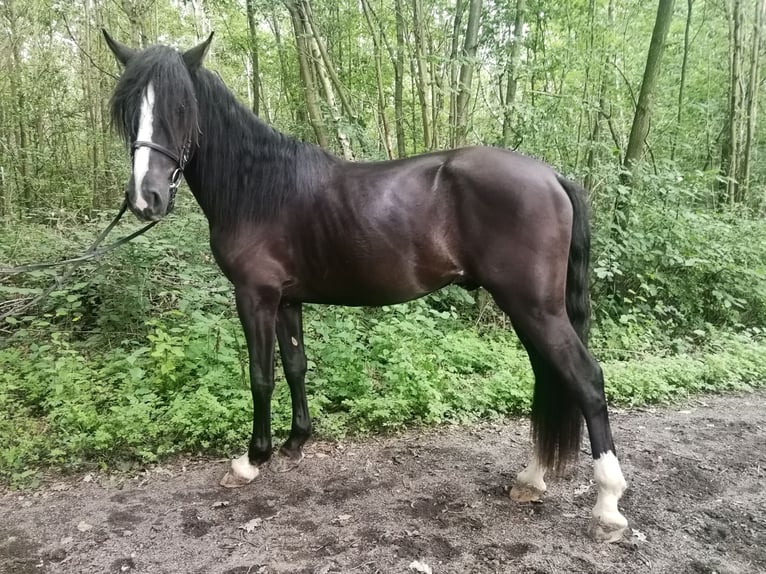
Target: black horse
(291, 223)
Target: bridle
(180, 161)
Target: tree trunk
(329, 68)
(134, 11)
(384, 127)
(401, 143)
(17, 98)
(326, 83)
(682, 82)
(730, 147)
(601, 111)
(421, 69)
(283, 75)
(454, 69)
(307, 76)
(253, 37)
(751, 101)
(511, 74)
(466, 70)
(642, 117)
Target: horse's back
(384, 232)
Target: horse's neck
(243, 170)
(226, 163)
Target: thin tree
(466, 70)
(401, 143)
(421, 69)
(751, 101)
(731, 140)
(682, 82)
(512, 72)
(453, 64)
(643, 113)
(376, 40)
(253, 52)
(303, 51)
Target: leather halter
(175, 179)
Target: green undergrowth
(185, 389)
(143, 357)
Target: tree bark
(642, 117)
(682, 82)
(326, 83)
(401, 143)
(385, 130)
(303, 51)
(254, 63)
(466, 70)
(511, 74)
(730, 146)
(751, 101)
(329, 68)
(21, 172)
(602, 105)
(454, 69)
(421, 68)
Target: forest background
(653, 107)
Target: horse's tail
(578, 295)
(556, 418)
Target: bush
(143, 356)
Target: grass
(144, 357)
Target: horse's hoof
(240, 474)
(285, 461)
(608, 529)
(526, 493)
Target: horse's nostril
(153, 200)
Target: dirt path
(696, 504)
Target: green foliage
(682, 269)
(143, 356)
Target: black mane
(173, 91)
(245, 169)
(241, 169)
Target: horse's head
(154, 108)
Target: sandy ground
(696, 504)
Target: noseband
(175, 179)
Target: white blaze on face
(141, 155)
(611, 484)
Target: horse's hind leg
(290, 337)
(566, 376)
(530, 483)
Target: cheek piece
(175, 178)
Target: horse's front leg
(293, 355)
(257, 308)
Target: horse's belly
(372, 286)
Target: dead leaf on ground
(341, 519)
(251, 525)
(638, 536)
(84, 526)
(582, 489)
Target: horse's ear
(193, 58)
(120, 51)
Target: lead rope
(92, 252)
